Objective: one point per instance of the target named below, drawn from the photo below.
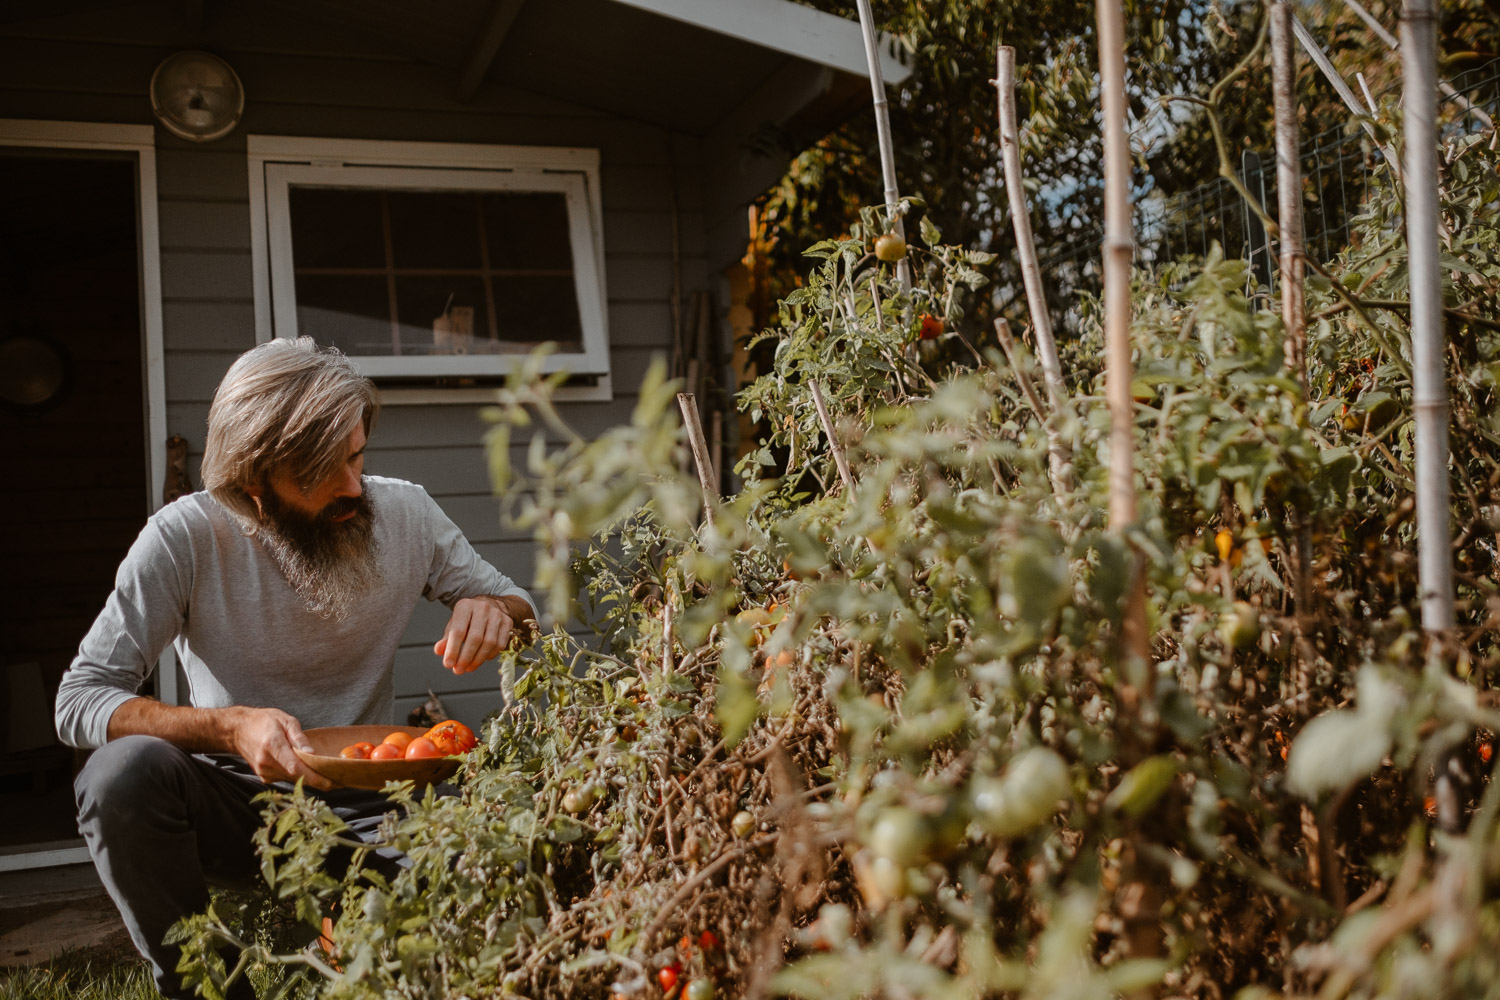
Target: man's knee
(128, 775)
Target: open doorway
(73, 446)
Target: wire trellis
(1336, 169)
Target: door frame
(139, 140)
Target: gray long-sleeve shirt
(244, 637)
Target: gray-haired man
(285, 588)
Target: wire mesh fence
(1336, 170)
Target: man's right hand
(266, 738)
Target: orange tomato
(356, 751)
(398, 739)
(452, 737)
(422, 747)
(387, 751)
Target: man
(285, 588)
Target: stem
(1325, 65)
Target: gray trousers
(163, 824)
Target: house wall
(309, 79)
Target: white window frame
(276, 162)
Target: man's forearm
(197, 730)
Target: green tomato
(901, 835)
(890, 248)
(743, 824)
(1025, 797)
(1239, 627)
(699, 989)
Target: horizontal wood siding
(311, 79)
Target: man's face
(334, 500)
(322, 539)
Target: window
(431, 263)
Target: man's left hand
(479, 629)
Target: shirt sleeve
(145, 612)
(457, 571)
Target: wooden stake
(1429, 380)
(1059, 464)
(1289, 190)
(883, 134)
(1292, 266)
(1443, 85)
(701, 457)
(839, 458)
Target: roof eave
(790, 28)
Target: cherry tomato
(708, 941)
(356, 751)
(421, 748)
(699, 989)
(398, 739)
(667, 976)
(387, 751)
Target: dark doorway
(72, 447)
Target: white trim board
(789, 28)
(140, 140)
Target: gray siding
(314, 80)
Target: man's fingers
(453, 637)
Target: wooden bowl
(329, 740)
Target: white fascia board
(786, 27)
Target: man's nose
(353, 484)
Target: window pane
(435, 229)
(465, 324)
(528, 230)
(351, 312)
(336, 227)
(535, 309)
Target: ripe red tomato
(356, 751)
(398, 739)
(422, 748)
(452, 737)
(708, 941)
(667, 976)
(387, 751)
(932, 327)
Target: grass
(81, 975)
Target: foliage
(882, 740)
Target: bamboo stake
(701, 457)
(1429, 383)
(1031, 270)
(1119, 246)
(1443, 85)
(1289, 190)
(1293, 256)
(883, 133)
(1325, 66)
(839, 458)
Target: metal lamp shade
(197, 96)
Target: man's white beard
(330, 564)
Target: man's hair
(286, 405)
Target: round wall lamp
(197, 96)
(35, 372)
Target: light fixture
(197, 96)
(35, 372)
